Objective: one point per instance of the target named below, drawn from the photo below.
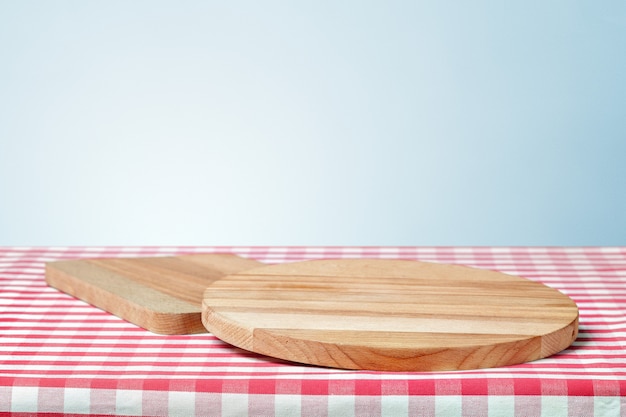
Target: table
(61, 355)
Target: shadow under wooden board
(373, 314)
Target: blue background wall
(346, 123)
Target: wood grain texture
(389, 315)
(160, 294)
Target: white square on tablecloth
(448, 405)
(608, 406)
(555, 406)
(501, 405)
(394, 405)
(287, 405)
(128, 402)
(182, 403)
(341, 405)
(24, 399)
(76, 400)
(234, 404)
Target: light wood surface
(389, 315)
(161, 294)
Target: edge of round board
(389, 315)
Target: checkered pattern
(60, 355)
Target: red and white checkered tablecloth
(60, 355)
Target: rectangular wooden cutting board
(160, 294)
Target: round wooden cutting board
(389, 315)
